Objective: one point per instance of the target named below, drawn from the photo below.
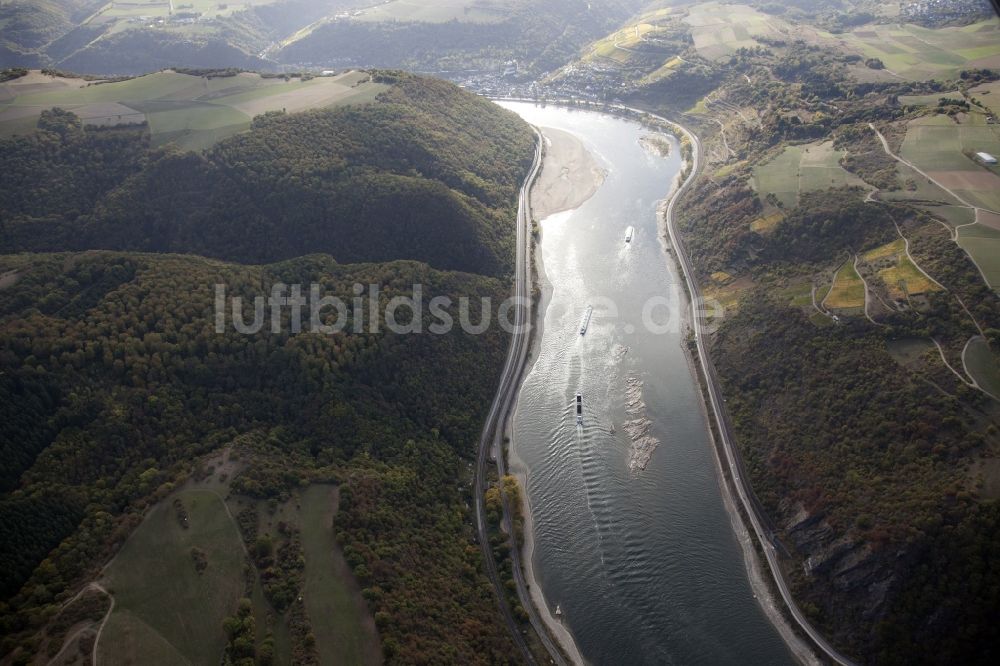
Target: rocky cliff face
(838, 576)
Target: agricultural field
(988, 95)
(440, 11)
(166, 611)
(942, 148)
(192, 111)
(982, 242)
(928, 100)
(767, 223)
(148, 11)
(919, 188)
(719, 30)
(848, 290)
(915, 53)
(727, 292)
(802, 168)
(905, 279)
(616, 47)
(893, 249)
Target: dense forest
(409, 177)
(114, 380)
(114, 362)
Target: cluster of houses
(944, 11)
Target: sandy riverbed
(570, 175)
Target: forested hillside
(119, 381)
(96, 37)
(93, 37)
(408, 177)
(114, 382)
(27, 26)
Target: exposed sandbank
(570, 175)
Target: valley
(200, 467)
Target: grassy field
(767, 223)
(983, 245)
(191, 111)
(341, 635)
(953, 215)
(165, 611)
(269, 623)
(719, 30)
(893, 249)
(848, 289)
(343, 628)
(983, 365)
(802, 168)
(905, 278)
(780, 176)
(917, 53)
(901, 276)
(798, 295)
(927, 100)
(988, 94)
(909, 352)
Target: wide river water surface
(643, 564)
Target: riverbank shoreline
(762, 590)
(556, 157)
(764, 593)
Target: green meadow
(193, 112)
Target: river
(643, 564)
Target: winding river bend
(643, 563)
